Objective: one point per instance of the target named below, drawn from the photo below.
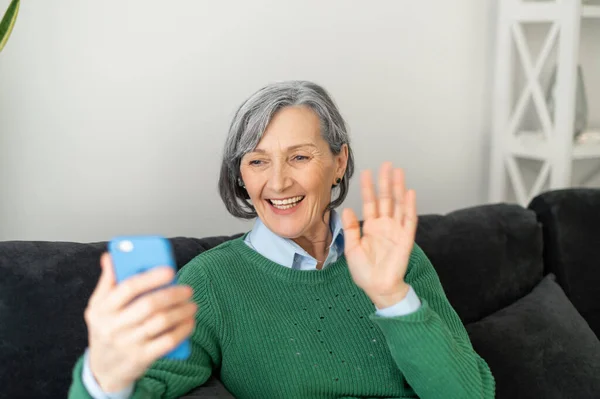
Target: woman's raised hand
(379, 258)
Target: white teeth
(286, 203)
(284, 206)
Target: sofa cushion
(487, 256)
(571, 220)
(540, 347)
(44, 290)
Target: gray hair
(250, 122)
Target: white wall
(113, 113)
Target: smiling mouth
(286, 203)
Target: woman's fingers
(107, 279)
(386, 201)
(168, 341)
(393, 198)
(137, 285)
(153, 303)
(410, 212)
(351, 230)
(369, 199)
(399, 192)
(165, 321)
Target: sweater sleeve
(169, 379)
(431, 346)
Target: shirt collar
(283, 250)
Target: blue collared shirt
(286, 253)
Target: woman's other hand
(128, 331)
(378, 260)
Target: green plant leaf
(8, 22)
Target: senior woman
(305, 305)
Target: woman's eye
(300, 158)
(256, 162)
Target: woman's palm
(378, 258)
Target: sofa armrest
(571, 226)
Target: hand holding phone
(138, 254)
(137, 314)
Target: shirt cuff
(410, 304)
(94, 389)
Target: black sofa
(524, 281)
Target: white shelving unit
(553, 144)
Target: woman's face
(290, 173)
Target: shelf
(536, 12)
(558, 151)
(533, 145)
(587, 146)
(549, 11)
(530, 145)
(591, 11)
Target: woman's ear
(341, 161)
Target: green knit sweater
(276, 332)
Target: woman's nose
(279, 180)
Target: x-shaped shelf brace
(532, 89)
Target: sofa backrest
(44, 289)
(487, 257)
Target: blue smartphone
(137, 254)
